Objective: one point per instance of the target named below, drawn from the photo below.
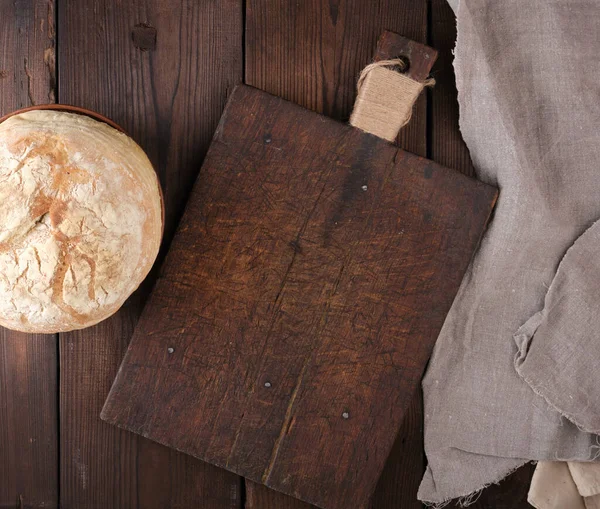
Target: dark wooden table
(163, 69)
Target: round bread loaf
(80, 220)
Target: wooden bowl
(96, 116)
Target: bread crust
(80, 221)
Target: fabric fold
(586, 477)
(552, 487)
(562, 485)
(559, 347)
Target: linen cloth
(586, 477)
(553, 487)
(565, 485)
(515, 374)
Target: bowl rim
(67, 108)
(101, 118)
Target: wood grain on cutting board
(299, 302)
(28, 363)
(311, 53)
(162, 70)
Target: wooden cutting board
(299, 302)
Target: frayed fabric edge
(471, 498)
(535, 388)
(523, 339)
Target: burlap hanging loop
(385, 98)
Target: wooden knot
(144, 37)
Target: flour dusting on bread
(80, 220)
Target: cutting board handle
(389, 87)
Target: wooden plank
(448, 148)
(446, 145)
(299, 302)
(28, 413)
(28, 363)
(162, 70)
(311, 53)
